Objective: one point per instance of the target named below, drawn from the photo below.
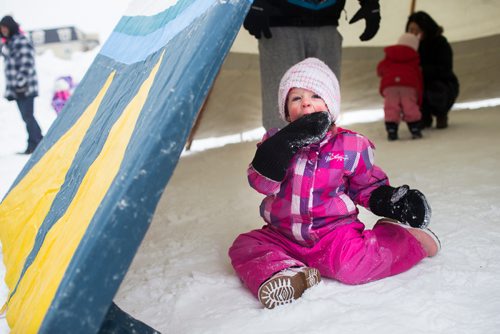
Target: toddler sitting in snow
(313, 175)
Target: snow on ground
(181, 280)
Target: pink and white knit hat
(409, 40)
(316, 76)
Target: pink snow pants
(349, 254)
(400, 103)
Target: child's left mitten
(406, 205)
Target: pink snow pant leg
(348, 254)
(401, 103)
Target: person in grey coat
(21, 84)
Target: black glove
(257, 19)
(370, 11)
(273, 155)
(406, 205)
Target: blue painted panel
(193, 56)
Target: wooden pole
(199, 117)
(412, 6)
(196, 124)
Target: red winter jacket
(401, 67)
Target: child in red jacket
(401, 86)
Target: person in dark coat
(441, 86)
(21, 83)
(289, 31)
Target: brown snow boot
(287, 285)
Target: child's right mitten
(406, 205)
(273, 155)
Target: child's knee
(252, 246)
(364, 261)
(242, 244)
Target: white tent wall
(238, 84)
(461, 19)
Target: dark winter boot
(414, 128)
(426, 121)
(442, 122)
(392, 130)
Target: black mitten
(273, 155)
(406, 205)
(370, 12)
(257, 19)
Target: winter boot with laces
(287, 285)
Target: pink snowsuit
(312, 218)
(59, 100)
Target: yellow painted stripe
(41, 281)
(24, 209)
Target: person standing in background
(401, 86)
(21, 83)
(441, 85)
(294, 30)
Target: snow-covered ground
(181, 280)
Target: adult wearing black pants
(21, 83)
(441, 86)
(289, 31)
